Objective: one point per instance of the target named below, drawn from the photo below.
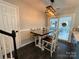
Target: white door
(9, 21)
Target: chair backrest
(54, 36)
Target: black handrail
(13, 35)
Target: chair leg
(42, 45)
(55, 46)
(51, 50)
(51, 54)
(35, 41)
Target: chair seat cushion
(47, 38)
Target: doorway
(8, 21)
(64, 27)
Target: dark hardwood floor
(32, 52)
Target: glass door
(53, 24)
(65, 24)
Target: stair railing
(13, 35)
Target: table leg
(39, 43)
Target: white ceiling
(64, 5)
(59, 5)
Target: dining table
(40, 34)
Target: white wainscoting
(25, 36)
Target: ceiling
(63, 5)
(59, 5)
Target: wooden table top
(40, 32)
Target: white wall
(29, 18)
(77, 17)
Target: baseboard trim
(26, 44)
(8, 54)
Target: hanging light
(50, 11)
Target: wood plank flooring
(32, 52)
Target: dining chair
(50, 43)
